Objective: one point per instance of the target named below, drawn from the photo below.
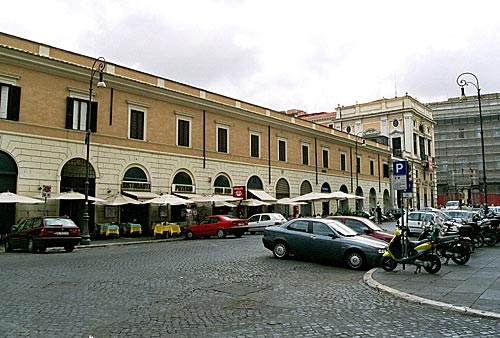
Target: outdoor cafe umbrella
(73, 196)
(10, 197)
(119, 199)
(289, 201)
(253, 203)
(168, 199)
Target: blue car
(323, 239)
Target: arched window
(222, 186)
(255, 183)
(135, 174)
(282, 189)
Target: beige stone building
(151, 135)
(407, 126)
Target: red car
(217, 225)
(363, 226)
(39, 233)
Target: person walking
(378, 212)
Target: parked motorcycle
(401, 250)
(446, 246)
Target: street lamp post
(357, 162)
(98, 66)
(462, 82)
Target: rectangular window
(222, 139)
(305, 154)
(136, 124)
(254, 145)
(76, 114)
(386, 170)
(396, 147)
(342, 162)
(429, 146)
(372, 167)
(358, 165)
(183, 132)
(326, 155)
(10, 99)
(282, 150)
(415, 143)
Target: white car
(452, 205)
(417, 220)
(258, 222)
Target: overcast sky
(309, 55)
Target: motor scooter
(401, 250)
(446, 246)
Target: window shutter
(140, 125)
(14, 103)
(93, 117)
(69, 113)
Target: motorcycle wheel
(468, 244)
(460, 255)
(490, 239)
(435, 264)
(388, 264)
(478, 241)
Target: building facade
(407, 127)
(458, 149)
(150, 136)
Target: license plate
(62, 233)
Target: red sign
(239, 191)
(430, 163)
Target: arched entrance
(222, 186)
(254, 183)
(73, 178)
(135, 182)
(325, 210)
(8, 182)
(283, 191)
(343, 204)
(305, 188)
(359, 202)
(387, 199)
(373, 199)
(182, 184)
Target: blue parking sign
(399, 168)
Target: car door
(15, 236)
(324, 243)
(297, 237)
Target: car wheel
(189, 235)
(388, 264)
(280, 250)
(31, 246)
(355, 260)
(220, 233)
(69, 248)
(8, 246)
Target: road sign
(399, 175)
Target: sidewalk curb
(368, 280)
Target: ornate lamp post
(98, 66)
(462, 82)
(357, 163)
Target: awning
(140, 195)
(263, 196)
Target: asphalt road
(205, 288)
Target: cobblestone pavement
(206, 288)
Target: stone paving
(206, 288)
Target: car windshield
(372, 225)
(58, 221)
(341, 229)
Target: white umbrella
(253, 203)
(119, 199)
(10, 197)
(340, 195)
(168, 199)
(289, 201)
(215, 198)
(73, 195)
(312, 196)
(225, 204)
